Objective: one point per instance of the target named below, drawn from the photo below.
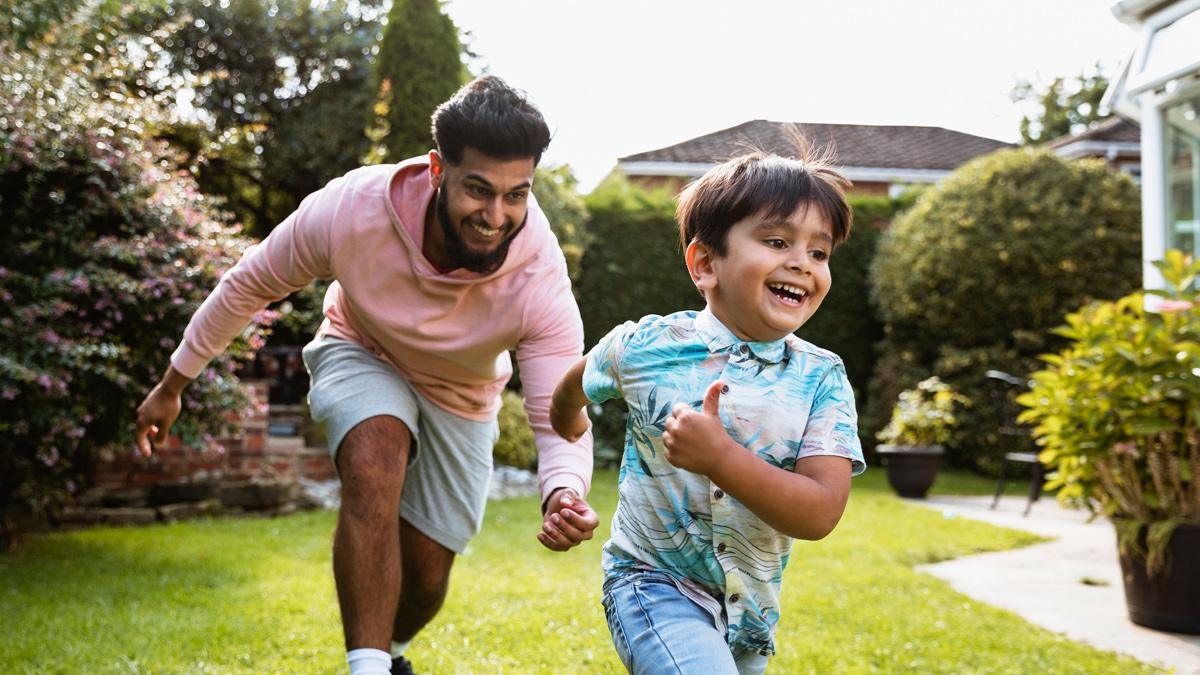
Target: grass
(256, 596)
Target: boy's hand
(570, 424)
(568, 521)
(697, 441)
(155, 416)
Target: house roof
(853, 145)
(1111, 130)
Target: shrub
(924, 415)
(515, 446)
(984, 264)
(109, 253)
(1118, 411)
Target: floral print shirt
(787, 399)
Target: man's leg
(425, 573)
(366, 551)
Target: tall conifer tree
(419, 57)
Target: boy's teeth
(795, 290)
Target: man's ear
(437, 169)
(699, 261)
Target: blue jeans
(658, 630)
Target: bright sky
(615, 77)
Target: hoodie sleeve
(553, 342)
(291, 257)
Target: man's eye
(477, 191)
(517, 196)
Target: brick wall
(250, 456)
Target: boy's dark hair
(492, 117)
(760, 183)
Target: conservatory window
(1181, 122)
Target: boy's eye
(775, 242)
(820, 254)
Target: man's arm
(805, 503)
(295, 253)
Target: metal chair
(1016, 439)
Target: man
(442, 264)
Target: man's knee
(372, 458)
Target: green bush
(109, 252)
(515, 446)
(1118, 410)
(633, 266)
(983, 265)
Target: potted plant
(921, 422)
(1118, 415)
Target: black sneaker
(401, 666)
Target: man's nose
(493, 213)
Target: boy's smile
(773, 276)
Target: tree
(109, 252)
(420, 60)
(555, 189)
(279, 89)
(1066, 106)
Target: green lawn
(256, 596)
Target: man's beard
(456, 248)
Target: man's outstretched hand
(567, 522)
(158, 412)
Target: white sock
(369, 662)
(398, 648)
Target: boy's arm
(566, 405)
(805, 503)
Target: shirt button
(735, 597)
(720, 548)
(718, 493)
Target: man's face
(481, 206)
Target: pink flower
(1172, 306)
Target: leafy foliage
(556, 189)
(924, 415)
(420, 60)
(280, 89)
(1118, 410)
(109, 255)
(978, 271)
(1065, 106)
(515, 446)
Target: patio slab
(1071, 585)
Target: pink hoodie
(448, 334)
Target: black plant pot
(1171, 600)
(911, 469)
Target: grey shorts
(450, 464)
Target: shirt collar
(719, 338)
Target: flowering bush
(1118, 411)
(108, 253)
(923, 415)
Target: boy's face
(773, 276)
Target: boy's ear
(699, 261)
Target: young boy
(741, 436)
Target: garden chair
(1016, 441)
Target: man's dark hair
(492, 117)
(760, 183)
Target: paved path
(1071, 585)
